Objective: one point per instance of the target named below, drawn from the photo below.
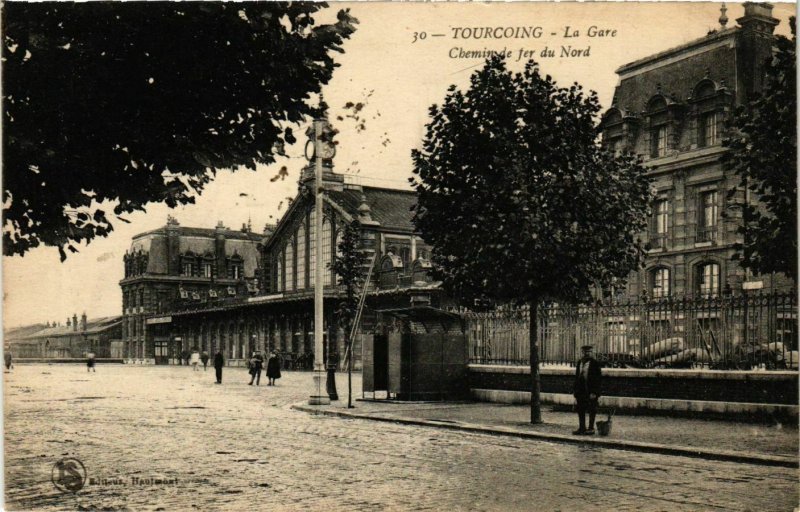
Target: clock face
(327, 150)
(309, 150)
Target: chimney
(83, 321)
(758, 18)
(75, 322)
(68, 322)
(173, 230)
(219, 251)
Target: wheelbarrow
(604, 427)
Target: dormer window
(708, 127)
(235, 267)
(658, 141)
(188, 264)
(709, 103)
(664, 117)
(619, 130)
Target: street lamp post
(320, 397)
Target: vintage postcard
(399, 256)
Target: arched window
(301, 256)
(187, 263)
(659, 283)
(709, 102)
(312, 248)
(708, 279)
(279, 274)
(326, 251)
(289, 266)
(235, 267)
(339, 236)
(208, 265)
(659, 116)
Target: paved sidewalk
(710, 439)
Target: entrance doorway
(161, 352)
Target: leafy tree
(517, 199)
(111, 105)
(763, 143)
(348, 264)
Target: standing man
(204, 357)
(219, 362)
(587, 390)
(8, 358)
(256, 364)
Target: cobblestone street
(236, 446)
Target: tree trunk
(536, 408)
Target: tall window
(658, 144)
(289, 266)
(660, 224)
(188, 268)
(708, 216)
(326, 251)
(207, 269)
(709, 129)
(301, 257)
(708, 280)
(312, 247)
(279, 274)
(660, 283)
(339, 236)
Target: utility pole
(319, 396)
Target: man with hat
(587, 390)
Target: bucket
(604, 427)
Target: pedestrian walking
(587, 390)
(184, 358)
(273, 368)
(219, 362)
(256, 364)
(195, 360)
(8, 359)
(90, 362)
(204, 357)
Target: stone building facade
(672, 108)
(167, 311)
(174, 267)
(73, 340)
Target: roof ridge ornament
(723, 18)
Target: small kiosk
(417, 353)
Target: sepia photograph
(399, 256)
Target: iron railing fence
(748, 331)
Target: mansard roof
(675, 72)
(390, 207)
(230, 234)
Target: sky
(397, 79)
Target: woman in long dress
(273, 369)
